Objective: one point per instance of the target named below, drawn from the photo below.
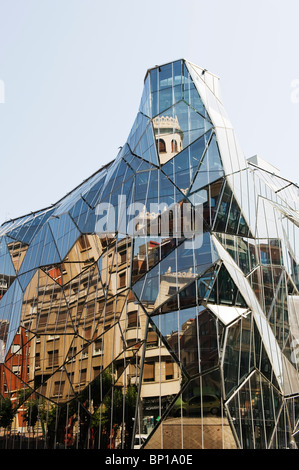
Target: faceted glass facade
(156, 306)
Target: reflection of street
(193, 433)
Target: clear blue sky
(73, 72)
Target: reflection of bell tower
(169, 137)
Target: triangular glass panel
(83, 216)
(191, 95)
(181, 169)
(41, 252)
(6, 265)
(192, 336)
(153, 193)
(239, 353)
(17, 252)
(146, 147)
(173, 273)
(137, 130)
(229, 217)
(118, 173)
(263, 363)
(145, 103)
(10, 314)
(225, 291)
(65, 234)
(210, 168)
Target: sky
(72, 71)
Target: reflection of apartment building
(61, 364)
(66, 300)
(120, 335)
(14, 374)
(171, 283)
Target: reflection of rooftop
(167, 122)
(179, 274)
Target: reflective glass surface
(156, 305)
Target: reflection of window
(53, 358)
(84, 354)
(83, 375)
(43, 320)
(58, 388)
(87, 332)
(152, 339)
(96, 371)
(84, 243)
(169, 370)
(172, 290)
(53, 337)
(122, 280)
(133, 342)
(98, 345)
(132, 319)
(109, 307)
(123, 257)
(72, 353)
(62, 316)
(174, 146)
(149, 372)
(16, 349)
(37, 360)
(161, 145)
(16, 370)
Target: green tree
(32, 413)
(6, 413)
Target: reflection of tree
(96, 418)
(114, 418)
(6, 413)
(32, 413)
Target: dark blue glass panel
(6, 265)
(154, 80)
(83, 216)
(25, 278)
(93, 195)
(10, 312)
(137, 130)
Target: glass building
(156, 305)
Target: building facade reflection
(161, 337)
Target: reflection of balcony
(133, 334)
